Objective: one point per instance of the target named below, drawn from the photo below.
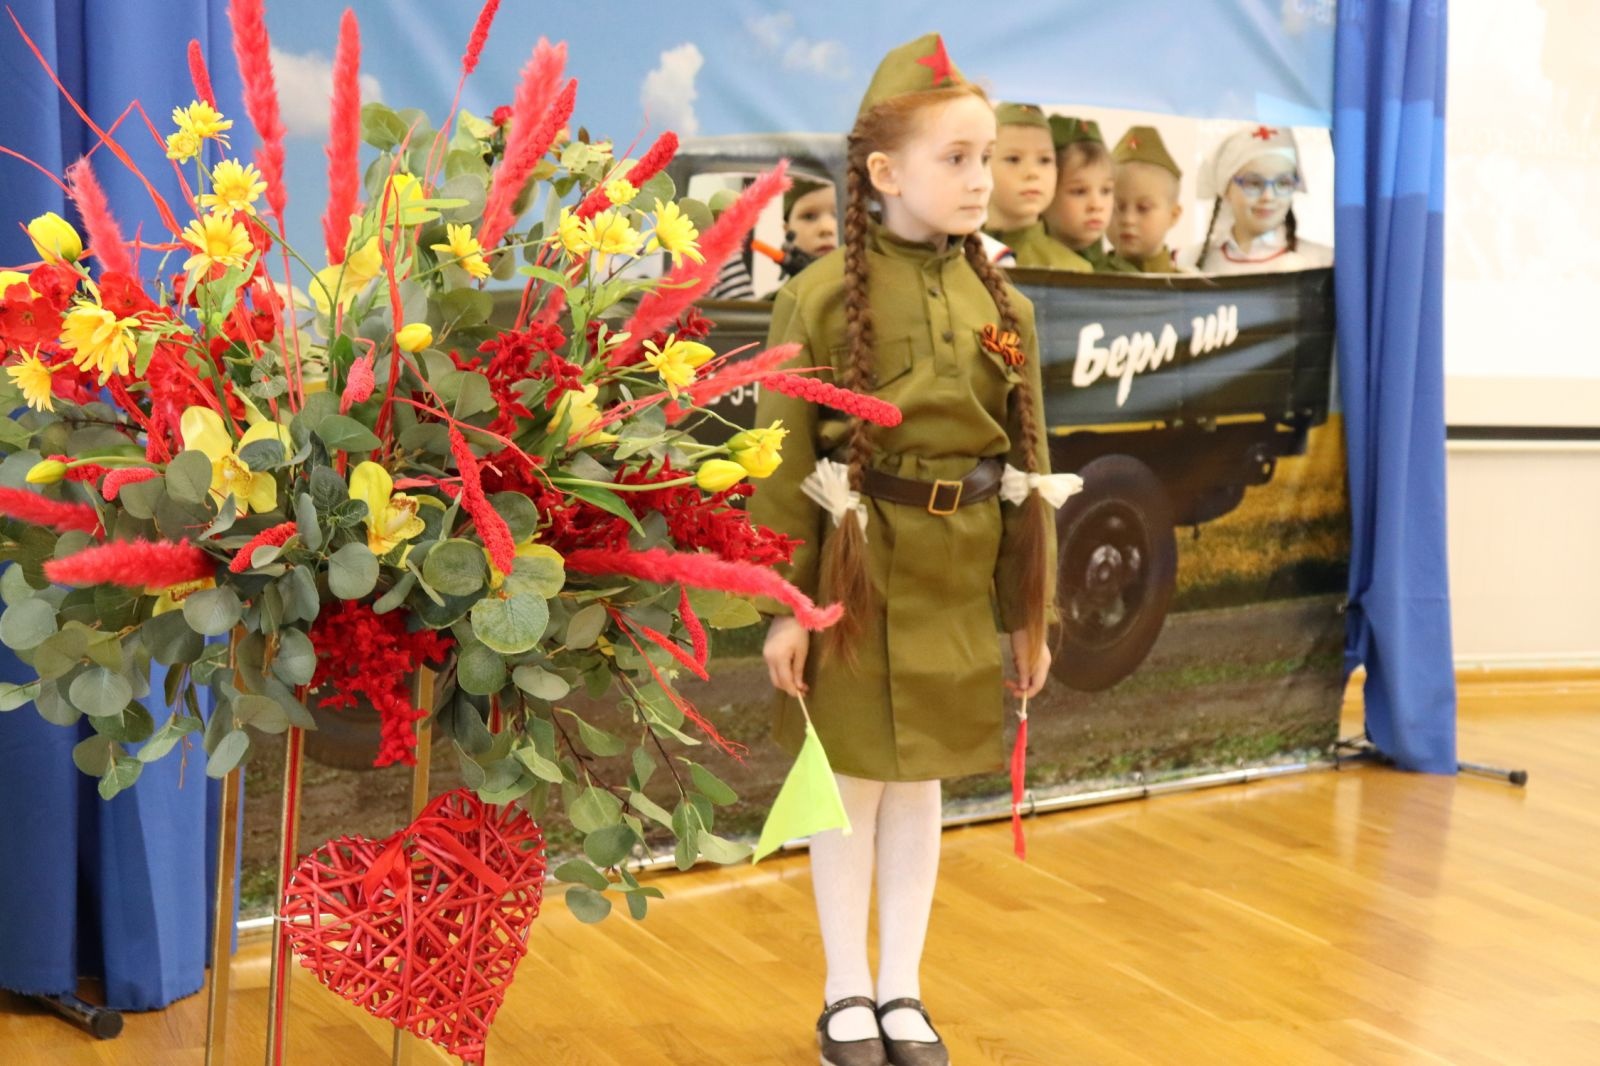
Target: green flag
(808, 802)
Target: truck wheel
(1118, 564)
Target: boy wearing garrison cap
(1024, 168)
(1146, 205)
(1080, 212)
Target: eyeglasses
(1253, 185)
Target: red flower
(491, 527)
(105, 238)
(40, 510)
(359, 384)
(199, 75)
(344, 139)
(55, 283)
(122, 295)
(860, 405)
(276, 536)
(501, 115)
(480, 35)
(252, 47)
(125, 475)
(704, 571)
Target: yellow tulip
(348, 278)
(391, 516)
(46, 472)
(414, 337)
(715, 475)
(579, 406)
(54, 238)
(203, 431)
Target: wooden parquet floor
(1357, 917)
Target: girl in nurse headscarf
(1251, 178)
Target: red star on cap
(937, 62)
(1265, 133)
(1133, 143)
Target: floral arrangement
(287, 480)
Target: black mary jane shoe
(868, 1052)
(913, 1052)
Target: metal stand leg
(401, 1053)
(222, 927)
(288, 856)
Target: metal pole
(222, 926)
(288, 857)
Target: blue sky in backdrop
(739, 67)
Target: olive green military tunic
(1104, 261)
(1033, 247)
(1159, 261)
(925, 698)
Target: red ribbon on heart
(426, 927)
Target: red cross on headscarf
(1265, 133)
(937, 62)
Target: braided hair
(844, 558)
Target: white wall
(1525, 553)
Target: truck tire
(1118, 564)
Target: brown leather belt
(939, 497)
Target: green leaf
(99, 692)
(212, 612)
(170, 639)
(649, 808)
(643, 766)
(396, 595)
(711, 785)
(521, 516)
(480, 670)
(638, 905)
(538, 765)
(540, 683)
(305, 521)
(510, 626)
(586, 626)
(229, 750)
(587, 905)
(28, 624)
(123, 774)
(140, 498)
(352, 571)
(189, 477)
(733, 613)
(609, 846)
(261, 455)
(13, 695)
(343, 433)
(456, 567)
(598, 740)
(594, 809)
(723, 851)
(94, 755)
(297, 658)
(133, 726)
(577, 871)
(166, 738)
(604, 499)
(541, 575)
(381, 127)
(14, 587)
(328, 489)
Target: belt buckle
(933, 497)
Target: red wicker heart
(423, 929)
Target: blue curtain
(118, 890)
(1388, 140)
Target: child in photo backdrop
(1024, 167)
(1146, 205)
(810, 221)
(919, 529)
(1080, 211)
(1251, 179)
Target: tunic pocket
(892, 362)
(1012, 374)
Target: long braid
(1032, 544)
(1211, 227)
(1289, 226)
(844, 557)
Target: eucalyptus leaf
(343, 433)
(189, 477)
(352, 571)
(512, 625)
(305, 521)
(586, 626)
(594, 809)
(212, 612)
(124, 772)
(170, 639)
(587, 905)
(540, 683)
(480, 670)
(296, 660)
(99, 692)
(28, 624)
(609, 846)
(226, 755)
(581, 872)
(456, 567)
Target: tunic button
(948, 335)
(934, 292)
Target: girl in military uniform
(1251, 180)
(908, 689)
(1024, 169)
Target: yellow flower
(716, 475)
(234, 187)
(54, 238)
(217, 240)
(403, 192)
(99, 339)
(202, 120)
(171, 598)
(579, 406)
(32, 376)
(391, 516)
(757, 449)
(9, 278)
(676, 361)
(414, 337)
(674, 233)
(610, 233)
(46, 472)
(621, 191)
(203, 431)
(348, 278)
(574, 233)
(464, 248)
(183, 146)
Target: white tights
(897, 824)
